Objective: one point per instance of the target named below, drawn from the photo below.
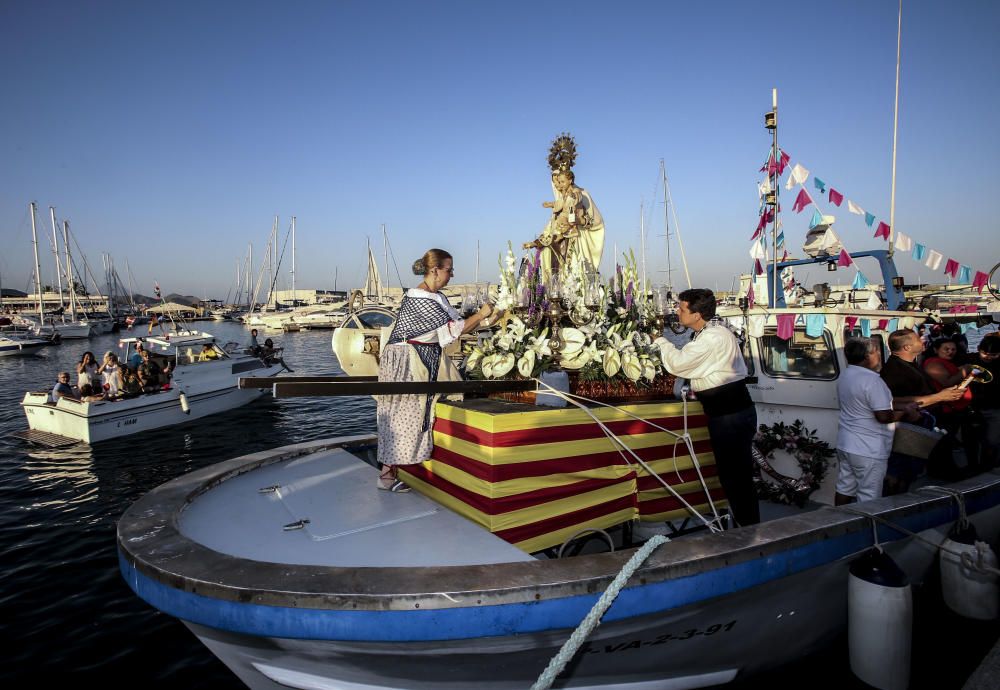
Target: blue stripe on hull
(516, 618)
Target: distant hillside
(172, 297)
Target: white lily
(488, 361)
(648, 368)
(526, 364)
(474, 358)
(573, 340)
(612, 362)
(575, 360)
(631, 366)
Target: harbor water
(66, 613)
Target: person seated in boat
(986, 399)
(130, 385)
(149, 373)
(866, 424)
(266, 353)
(135, 359)
(86, 370)
(254, 348)
(89, 393)
(62, 389)
(425, 324)
(714, 363)
(110, 371)
(909, 383)
(208, 353)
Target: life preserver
(812, 454)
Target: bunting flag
(965, 274)
(844, 259)
(869, 218)
(784, 255)
(850, 322)
(751, 298)
(819, 184)
(756, 233)
(882, 230)
(798, 176)
(758, 269)
(979, 282)
(883, 324)
(816, 219)
(893, 325)
(951, 268)
(780, 240)
(801, 201)
(903, 242)
(757, 251)
(836, 198)
(933, 260)
(764, 187)
(782, 162)
(815, 324)
(829, 240)
(919, 251)
(786, 325)
(873, 301)
(866, 328)
(854, 208)
(860, 282)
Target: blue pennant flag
(966, 326)
(965, 274)
(781, 239)
(820, 184)
(816, 219)
(866, 328)
(869, 218)
(918, 252)
(860, 281)
(893, 325)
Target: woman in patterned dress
(426, 323)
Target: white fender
(968, 592)
(879, 621)
(184, 404)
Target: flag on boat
(854, 208)
(903, 242)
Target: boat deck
(323, 509)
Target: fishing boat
(14, 345)
(198, 387)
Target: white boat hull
(17, 347)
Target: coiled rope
(593, 618)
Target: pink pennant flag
(882, 230)
(850, 322)
(979, 282)
(883, 324)
(750, 296)
(844, 259)
(784, 257)
(758, 269)
(836, 198)
(801, 201)
(782, 162)
(786, 326)
(951, 268)
(756, 233)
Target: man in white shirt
(714, 364)
(867, 424)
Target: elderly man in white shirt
(867, 423)
(714, 364)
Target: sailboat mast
(385, 251)
(38, 266)
(642, 243)
(895, 129)
(773, 175)
(69, 271)
(294, 296)
(666, 225)
(249, 272)
(55, 254)
(272, 260)
(668, 202)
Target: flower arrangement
(607, 343)
(812, 454)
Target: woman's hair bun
(419, 267)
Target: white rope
(593, 618)
(710, 524)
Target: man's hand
(949, 394)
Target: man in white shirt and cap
(714, 364)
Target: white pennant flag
(797, 176)
(829, 240)
(854, 208)
(903, 242)
(933, 260)
(873, 301)
(757, 251)
(763, 188)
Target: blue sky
(170, 134)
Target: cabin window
(375, 319)
(875, 337)
(800, 357)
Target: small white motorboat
(13, 346)
(199, 386)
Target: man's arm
(689, 362)
(943, 395)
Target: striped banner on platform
(536, 476)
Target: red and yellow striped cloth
(536, 476)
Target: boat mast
(895, 127)
(38, 267)
(666, 226)
(69, 271)
(385, 251)
(294, 296)
(272, 260)
(249, 274)
(642, 243)
(55, 254)
(771, 122)
(677, 226)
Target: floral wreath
(812, 454)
